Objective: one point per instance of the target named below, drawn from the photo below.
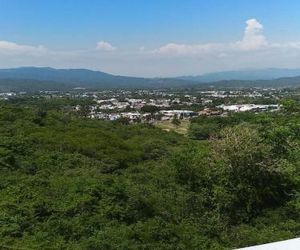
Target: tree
(176, 121)
(251, 179)
(150, 109)
(84, 110)
(123, 120)
(202, 131)
(291, 105)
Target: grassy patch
(182, 128)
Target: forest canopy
(69, 182)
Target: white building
(248, 107)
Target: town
(150, 106)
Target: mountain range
(250, 74)
(44, 78)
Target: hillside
(276, 83)
(247, 75)
(32, 79)
(73, 183)
(81, 78)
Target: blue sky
(150, 38)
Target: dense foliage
(72, 183)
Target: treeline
(74, 183)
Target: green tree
(176, 121)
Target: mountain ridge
(244, 74)
(46, 78)
(85, 78)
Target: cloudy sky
(150, 38)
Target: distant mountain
(285, 82)
(33, 79)
(18, 85)
(252, 74)
(85, 78)
(50, 74)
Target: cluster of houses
(131, 116)
(231, 93)
(6, 95)
(111, 104)
(166, 115)
(136, 116)
(162, 105)
(249, 107)
(179, 114)
(134, 103)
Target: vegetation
(180, 126)
(32, 79)
(68, 182)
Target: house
(170, 114)
(248, 107)
(210, 112)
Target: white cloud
(252, 50)
(253, 37)
(11, 48)
(287, 45)
(105, 46)
(185, 49)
